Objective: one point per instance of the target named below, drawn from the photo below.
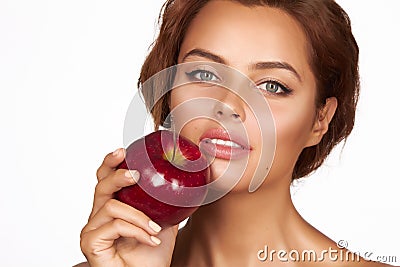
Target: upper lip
(217, 133)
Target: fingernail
(134, 174)
(154, 226)
(116, 152)
(155, 240)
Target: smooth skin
(230, 231)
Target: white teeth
(225, 143)
(220, 142)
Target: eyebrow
(256, 66)
(277, 65)
(204, 53)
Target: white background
(68, 71)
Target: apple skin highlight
(167, 191)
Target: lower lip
(223, 152)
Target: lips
(219, 143)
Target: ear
(322, 120)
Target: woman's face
(249, 39)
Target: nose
(230, 108)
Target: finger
(110, 162)
(169, 233)
(114, 209)
(102, 239)
(111, 184)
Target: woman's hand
(117, 234)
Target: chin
(230, 176)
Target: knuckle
(98, 188)
(85, 243)
(118, 224)
(98, 173)
(87, 248)
(83, 232)
(110, 205)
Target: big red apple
(171, 187)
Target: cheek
(176, 97)
(187, 127)
(293, 129)
(293, 125)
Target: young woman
(304, 60)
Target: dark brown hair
(333, 57)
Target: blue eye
(273, 87)
(203, 76)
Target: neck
(241, 221)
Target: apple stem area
(179, 158)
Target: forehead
(243, 34)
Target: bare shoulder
(83, 264)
